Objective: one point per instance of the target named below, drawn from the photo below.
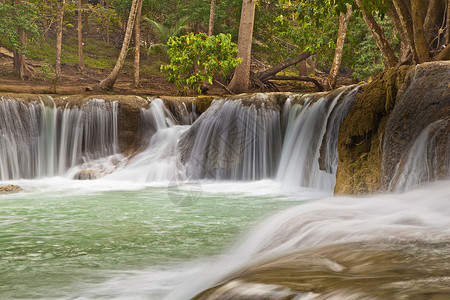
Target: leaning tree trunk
(241, 78)
(59, 39)
(137, 44)
(378, 35)
(108, 82)
(212, 15)
(80, 38)
(419, 34)
(342, 32)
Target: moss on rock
(361, 134)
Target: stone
(388, 115)
(11, 188)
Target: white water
(230, 141)
(37, 140)
(417, 216)
(422, 162)
(305, 133)
(160, 160)
(236, 142)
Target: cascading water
(159, 161)
(37, 140)
(235, 141)
(312, 124)
(425, 161)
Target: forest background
(59, 46)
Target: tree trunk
(433, 21)
(19, 57)
(137, 43)
(300, 78)
(60, 18)
(342, 32)
(447, 39)
(405, 48)
(419, 34)
(86, 27)
(241, 78)
(378, 35)
(212, 15)
(406, 21)
(108, 82)
(80, 38)
(265, 75)
(302, 68)
(107, 22)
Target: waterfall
(40, 140)
(427, 159)
(19, 139)
(159, 160)
(288, 137)
(313, 124)
(235, 141)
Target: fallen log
(265, 75)
(300, 78)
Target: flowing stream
(162, 223)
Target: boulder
(388, 115)
(11, 188)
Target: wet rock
(387, 117)
(423, 100)
(361, 134)
(87, 175)
(11, 188)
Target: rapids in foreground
(380, 247)
(66, 239)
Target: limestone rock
(424, 99)
(387, 117)
(11, 188)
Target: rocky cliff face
(388, 115)
(423, 103)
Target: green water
(52, 239)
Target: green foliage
(97, 54)
(100, 16)
(287, 28)
(165, 33)
(48, 72)
(362, 53)
(21, 15)
(195, 59)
